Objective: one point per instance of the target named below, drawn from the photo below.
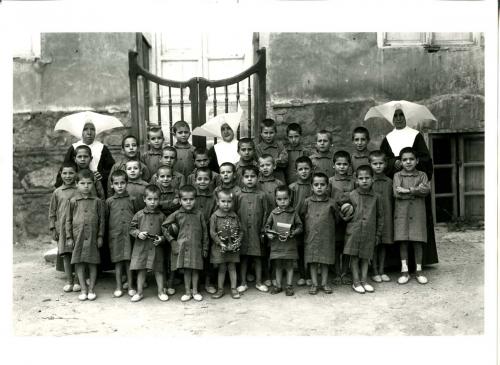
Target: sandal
(117, 293)
(289, 291)
(132, 292)
(76, 287)
(345, 279)
(276, 290)
(358, 288)
(376, 278)
(137, 297)
(186, 297)
(235, 294)
(327, 289)
(421, 279)
(368, 288)
(91, 296)
(385, 278)
(163, 297)
(219, 294)
(313, 290)
(82, 296)
(198, 297)
(404, 278)
(68, 288)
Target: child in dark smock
(147, 253)
(267, 181)
(57, 220)
(382, 185)
(294, 149)
(299, 191)
(341, 184)
(360, 140)
(225, 231)
(410, 187)
(169, 158)
(185, 150)
(85, 221)
(83, 156)
(282, 225)
(251, 207)
(246, 150)
(322, 157)
(151, 156)
(269, 146)
(135, 185)
(120, 209)
(191, 244)
(202, 159)
(364, 229)
(228, 178)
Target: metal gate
(178, 98)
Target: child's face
(294, 138)
(182, 134)
(319, 186)
(322, 143)
(82, 159)
(409, 161)
(151, 200)
(377, 164)
(187, 200)
(282, 199)
(130, 147)
(202, 180)
(266, 166)
(365, 180)
(226, 174)
(225, 202)
(156, 139)
(341, 166)
(201, 160)
(267, 134)
(88, 133)
(360, 141)
(68, 175)
(303, 171)
(249, 179)
(168, 158)
(133, 170)
(227, 133)
(165, 177)
(84, 186)
(246, 151)
(119, 185)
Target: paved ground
(451, 304)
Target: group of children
(279, 208)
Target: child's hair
(130, 161)
(205, 170)
(281, 189)
(84, 174)
(165, 167)
(169, 148)
(268, 123)
(118, 173)
(186, 189)
(152, 189)
(342, 154)
(320, 175)
(200, 151)
(324, 131)
(407, 150)
(366, 168)
(69, 164)
(303, 159)
(361, 130)
(180, 124)
(245, 140)
(83, 147)
(226, 192)
(376, 154)
(154, 130)
(127, 137)
(294, 127)
(266, 156)
(233, 168)
(252, 168)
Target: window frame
(427, 40)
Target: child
(382, 185)
(228, 178)
(282, 225)
(364, 228)
(294, 149)
(201, 159)
(57, 209)
(169, 158)
(191, 244)
(318, 214)
(225, 231)
(152, 156)
(130, 153)
(410, 187)
(299, 191)
(120, 209)
(341, 183)
(268, 145)
(322, 158)
(251, 207)
(246, 150)
(85, 220)
(360, 140)
(83, 157)
(147, 253)
(169, 196)
(185, 151)
(135, 185)
(267, 182)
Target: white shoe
(210, 289)
(117, 293)
(170, 291)
(377, 278)
(163, 297)
(268, 282)
(358, 289)
(242, 288)
(91, 296)
(132, 292)
(309, 282)
(136, 298)
(421, 278)
(262, 288)
(82, 297)
(125, 285)
(385, 278)
(301, 282)
(368, 288)
(76, 287)
(198, 297)
(68, 288)
(186, 297)
(404, 278)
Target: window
(435, 39)
(26, 45)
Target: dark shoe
(327, 289)
(289, 291)
(218, 294)
(313, 290)
(235, 294)
(276, 290)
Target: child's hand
(55, 236)
(270, 235)
(142, 235)
(157, 241)
(175, 247)
(223, 247)
(70, 242)
(99, 242)
(402, 190)
(97, 175)
(423, 188)
(175, 201)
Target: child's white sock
(419, 267)
(404, 266)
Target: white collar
(401, 138)
(227, 151)
(96, 148)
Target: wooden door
(471, 175)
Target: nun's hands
(97, 176)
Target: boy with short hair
(83, 156)
(322, 158)
(152, 155)
(294, 149)
(185, 150)
(202, 159)
(269, 145)
(360, 140)
(135, 185)
(246, 150)
(169, 158)
(267, 182)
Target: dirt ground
(450, 304)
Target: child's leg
(92, 276)
(187, 280)
(355, 270)
(118, 275)
(258, 270)
(364, 270)
(345, 263)
(80, 272)
(418, 251)
(289, 273)
(130, 276)
(375, 261)
(403, 253)
(381, 259)
(324, 275)
(195, 277)
(338, 258)
(159, 281)
(302, 266)
(221, 276)
(314, 273)
(68, 270)
(141, 278)
(232, 274)
(279, 272)
(243, 270)
(171, 276)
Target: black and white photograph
(184, 181)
